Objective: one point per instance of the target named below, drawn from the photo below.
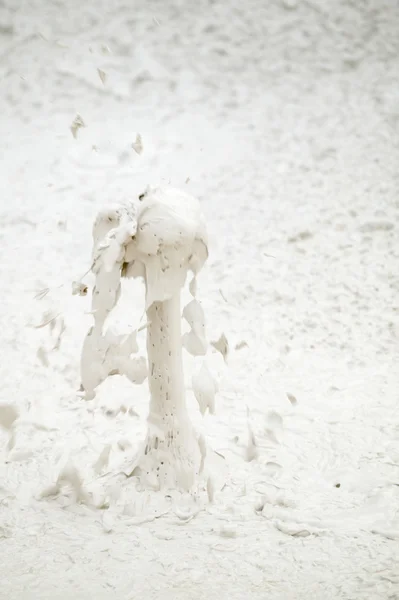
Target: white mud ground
(282, 117)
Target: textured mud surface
(282, 117)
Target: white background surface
(284, 117)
